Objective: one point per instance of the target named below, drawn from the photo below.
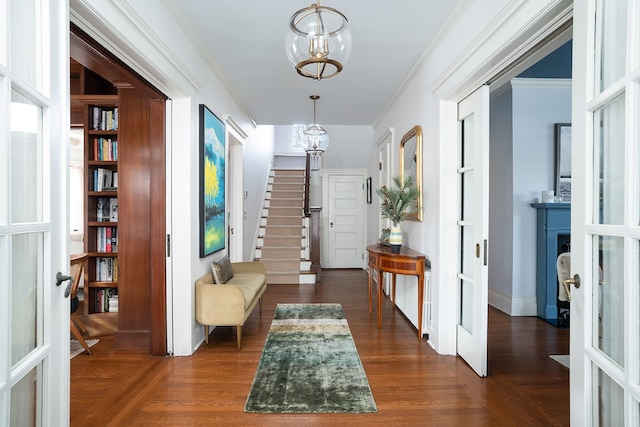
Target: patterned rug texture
(75, 348)
(310, 364)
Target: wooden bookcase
(101, 156)
(101, 203)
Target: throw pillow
(222, 271)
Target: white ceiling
(245, 41)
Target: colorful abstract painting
(212, 183)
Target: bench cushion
(249, 284)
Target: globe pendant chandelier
(319, 41)
(315, 138)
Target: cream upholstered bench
(229, 300)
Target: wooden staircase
(282, 243)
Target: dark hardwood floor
(411, 383)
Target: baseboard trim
(513, 306)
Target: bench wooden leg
(206, 334)
(260, 304)
(239, 334)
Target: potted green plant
(394, 202)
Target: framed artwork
(212, 183)
(369, 190)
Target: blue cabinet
(552, 237)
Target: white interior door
(346, 221)
(473, 229)
(236, 198)
(605, 214)
(34, 165)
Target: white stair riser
(259, 253)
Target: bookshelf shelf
(103, 163)
(102, 193)
(103, 284)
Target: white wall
(501, 233)
(522, 164)
(256, 174)
(346, 145)
(474, 42)
(537, 105)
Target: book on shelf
(104, 118)
(105, 180)
(103, 212)
(107, 239)
(113, 209)
(106, 269)
(106, 300)
(105, 149)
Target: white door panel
(346, 221)
(605, 212)
(473, 227)
(34, 232)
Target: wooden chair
(78, 329)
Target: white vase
(395, 239)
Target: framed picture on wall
(212, 183)
(369, 190)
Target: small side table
(408, 262)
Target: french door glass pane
(25, 395)
(466, 305)
(26, 159)
(26, 294)
(611, 27)
(467, 196)
(608, 407)
(608, 297)
(467, 250)
(25, 40)
(467, 141)
(609, 156)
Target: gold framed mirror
(411, 165)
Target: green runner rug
(310, 364)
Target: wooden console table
(407, 262)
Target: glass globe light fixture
(319, 41)
(316, 139)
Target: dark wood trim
(141, 197)
(315, 243)
(307, 183)
(158, 229)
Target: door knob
(61, 278)
(575, 281)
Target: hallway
(411, 384)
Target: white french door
(473, 229)
(605, 214)
(34, 165)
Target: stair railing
(307, 180)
